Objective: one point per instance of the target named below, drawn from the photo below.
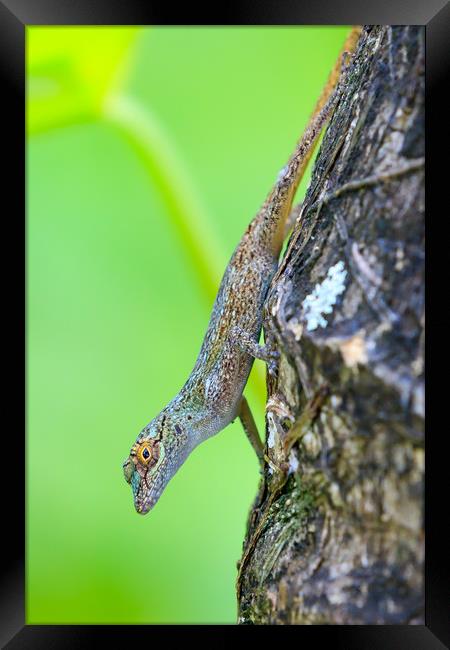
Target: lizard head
(159, 450)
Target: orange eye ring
(144, 453)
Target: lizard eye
(145, 454)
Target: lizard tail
(331, 83)
(270, 223)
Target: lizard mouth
(146, 490)
(143, 493)
(144, 503)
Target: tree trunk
(342, 541)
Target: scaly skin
(212, 395)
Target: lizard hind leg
(251, 430)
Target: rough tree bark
(342, 540)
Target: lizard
(212, 396)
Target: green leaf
(71, 71)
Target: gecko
(212, 396)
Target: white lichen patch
(323, 298)
(335, 401)
(272, 427)
(293, 462)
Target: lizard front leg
(246, 343)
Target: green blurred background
(148, 152)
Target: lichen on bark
(342, 542)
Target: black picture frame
(15, 15)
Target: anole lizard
(212, 397)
